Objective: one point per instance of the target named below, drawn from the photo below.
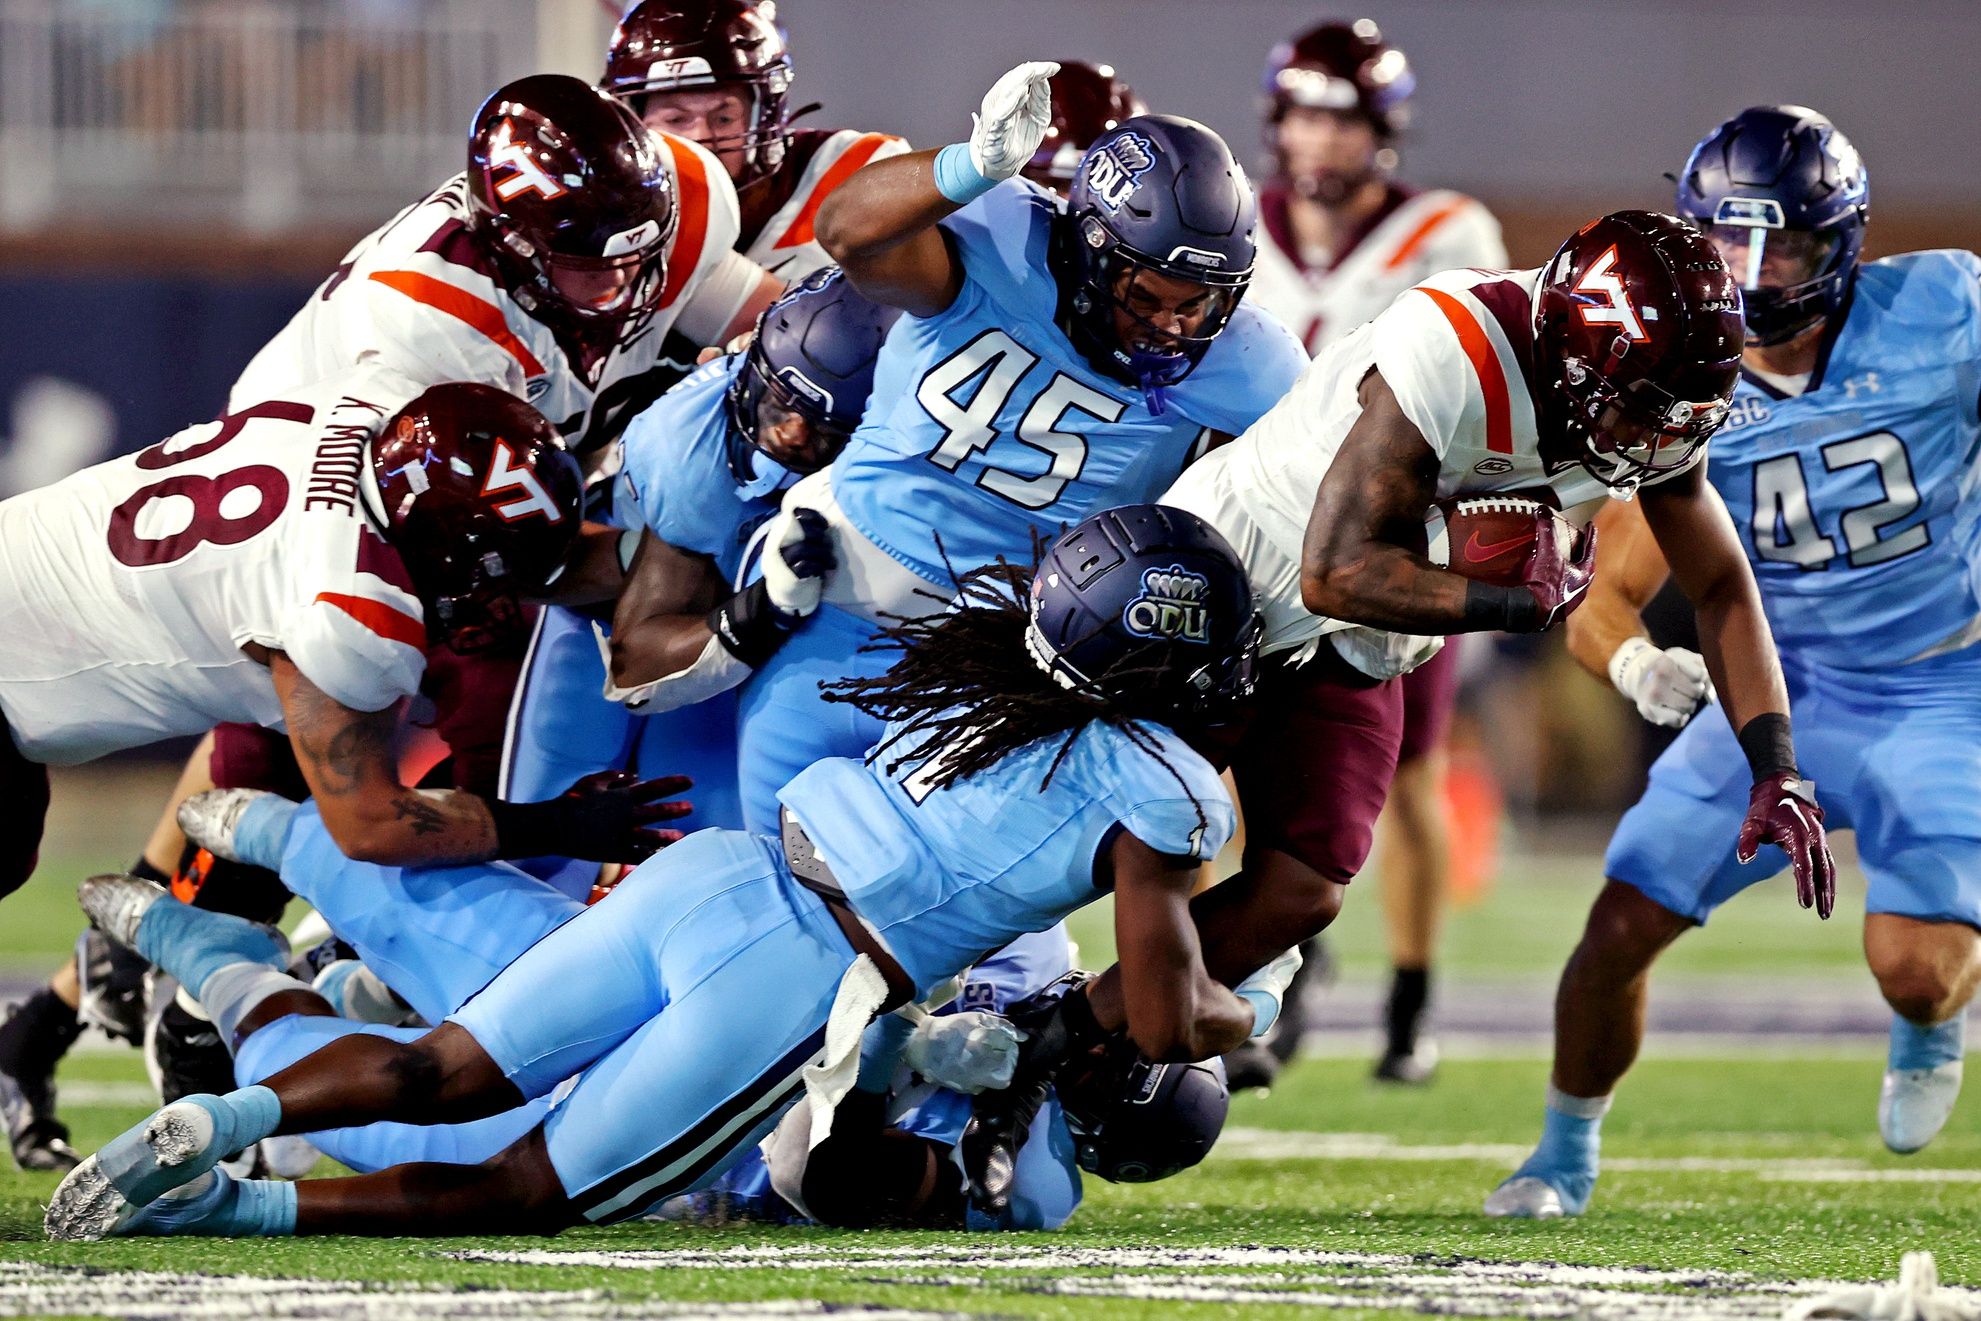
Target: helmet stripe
(1415, 238)
(691, 197)
(1485, 365)
(465, 307)
(854, 157)
(389, 622)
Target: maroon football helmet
(1087, 101)
(482, 502)
(1340, 66)
(1637, 336)
(572, 191)
(678, 45)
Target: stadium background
(177, 175)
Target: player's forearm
(1740, 653)
(1387, 587)
(412, 827)
(1605, 622)
(881, 206)
(648, 650)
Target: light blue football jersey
(948, 875)
(1854, 498)
(986, 425)
(674, 475)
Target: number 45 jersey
(987, 425)
(128, 590)
(1856, 498)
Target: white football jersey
(1414, 236)
(825, 158)
(1453, 351)
(422, 296)
(128, 590)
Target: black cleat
(36, 1035)
(1251, 1067)
(188, 1055)
(1415, 1069)
(38, 1140)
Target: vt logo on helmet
(572, 189)
(1155, 251)
(668, 46)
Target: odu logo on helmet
(1171, 607)
(1114, 170)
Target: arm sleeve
(1421, 361)
(427, 322)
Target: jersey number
(986, 371)
(216, 519)
(1784, 527)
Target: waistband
(812, 871)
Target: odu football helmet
(1134, 1121)
(1147, 608)
(813, 357)
(1785, 197)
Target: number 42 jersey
(128, 590)
(1856, 498)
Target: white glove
(1265, 990)
(968, 1052)
(1016, 112)
(1667, 684)
(798, 554)
(1916, 1297)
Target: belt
(810, 870)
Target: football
(1489, 538)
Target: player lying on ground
(1031, 707)
(1848, 464)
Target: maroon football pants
(24, 790)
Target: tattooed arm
(1362, 559)
(349, 760)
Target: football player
(718, 73)
(1848, 466)
(1054, 359)
(1339, 239)
(1600, 375)
(756, 957)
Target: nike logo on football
(1478, 552)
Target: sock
(37, 1035)
(1409, 992)
(1571, 1133)
(233, 992)
(193, 943)
(144, 871)
(219, 1205)
(1915, 1047)
(262, 834)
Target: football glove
(968, 1052)
(1782, 810)
(608, 816)
(1667, 685)
(1557, 582)
(1013, 120)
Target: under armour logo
(1601, 280)
(1868, 383)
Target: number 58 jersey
(129, 590)
(1856, 499)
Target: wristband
(748, 626)
(528, 830)
(1507, 609)
(957, 176)
(1770, 749)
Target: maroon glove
(1782, 811)
(1558, 582)
(607, 816)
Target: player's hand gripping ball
(1513, 541)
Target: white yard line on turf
(1297, 1277)
(28, 1290)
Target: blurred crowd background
(176, 176)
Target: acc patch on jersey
(1115, 170)
(1171, 606)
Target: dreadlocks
(965, 693)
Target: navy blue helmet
(1136, 1122)
(1785, 196)
(813, 358)
(1146, 608)
(1155, 195)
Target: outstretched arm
(1174, 1009)
(1667, 684)
(880, 225)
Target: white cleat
(1524, 1198)
(137, 1167)
(210, 818)
(1914, 1104)
(117, 903)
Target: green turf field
(1727, 1178)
